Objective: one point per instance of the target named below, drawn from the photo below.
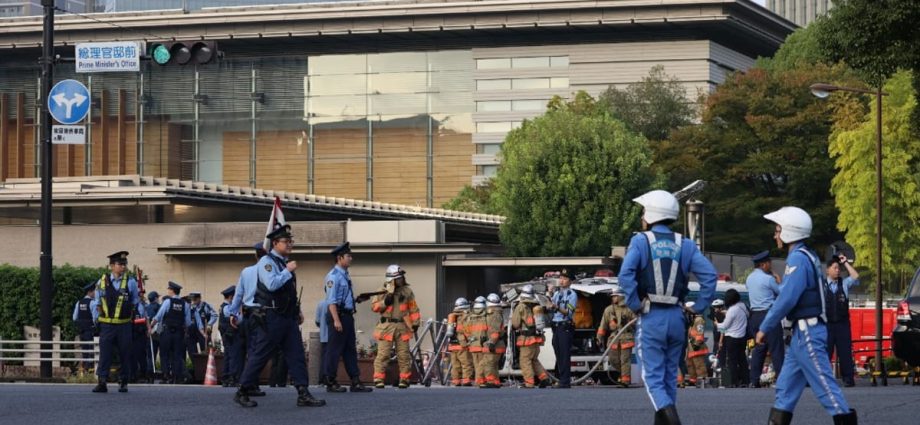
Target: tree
(653, 107)
(801, 48)
(853, 150)
(475, 199)
(567, 179)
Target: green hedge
(19, 297)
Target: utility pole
(46, 285)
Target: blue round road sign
(69, 101)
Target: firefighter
(461, 372)
(801, 301)
(528, 321)
(615, 316)
(697, 353)
(399, 320)
(494, 345)
(474, 329)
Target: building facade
(802, 12)
(403, 102)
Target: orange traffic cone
(210, 376)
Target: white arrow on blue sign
(69, 101)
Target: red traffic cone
(210, 376)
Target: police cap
(175, 287)
(89, 287)
(194, 294)
(260, 248)
(229, 291)
(120, 257)
(760, 257)
(342, 249)
(280, 232)
(567, 273)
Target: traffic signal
(184, 52)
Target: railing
(77, 352)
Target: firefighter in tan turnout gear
(697, 351)
(615, 316)
(494, 344)
(474, 330)
(528, 321)
(399, 318)
(461, 372)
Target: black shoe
(561, 386)
(334, 387)
(304, 398)
(242, 398)
(847, 419)
(123, 386)
(358, 387)
(779, 417)
(667, 416)
(544, 383)
(849, 384)
(101, 387)
(255, 392)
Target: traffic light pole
(46, 285)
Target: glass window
(396, 62)
(490, 149)
(559, 82)
(537, 62)
(338, 64)
(500, 63)
(530, 83)
(325, 85)
(504, 84)
(398, 104)
(559, 61)
(488, 170)
(528, 105)
(493, 127)
(401, 82)
(493, 106)
(326, 106)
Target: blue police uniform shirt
(245, 291)
(762, 289)
(211, 313)
(338, 289)
(691, 261)
(164, 308)
(270, 274)
(799, 268)
(132, 291)
(321, 308)
(152, 310)
(848, 282)
(92, 309)
(568, 299)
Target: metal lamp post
(822, 90)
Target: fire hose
(603, 356)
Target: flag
(275, 221)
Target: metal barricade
(8, 353)
(428, 363)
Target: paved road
(34, 404)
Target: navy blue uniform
(140, 347)
(341, 343)
(839, 336)
(564, 334)
(175, 317)
(116, 298)
(84, 316)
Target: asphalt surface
(35, 404)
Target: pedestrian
(320, 321)
(734, 337)
(527, 321)
(801, 301)
(228, 338)
(172, 320)
(614, 319)
(564, 301)
(495, 346)
(152, 308)
(654, 276)
(697, 349)
(399, 320)
(240, 310)
(275, 322)
(84, 317)
(763, 288)
(475, 328)
(342, 339)
(839, 336)
(116, 298)
(199, 334)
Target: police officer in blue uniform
(173, 318)
(654, 277)
(116, 298)
(320, 321)
(243, 305)
(763, 287)
(341, 320)
(200, 331)
(275, 323)
(801, 301)
(152, 308)
(837, 294)
(140, 344)
(229, 336)
(564, 302)
(84, 316)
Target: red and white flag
(275, 221)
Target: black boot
(101, 387)
(779, 417)
(255, 391)
(847, 419)
(667, 416)
(332, 386)
(123, 386)
(242, 398)
(304, 398)
(358, 387)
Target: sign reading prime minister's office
(116, 56)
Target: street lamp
(822, 90)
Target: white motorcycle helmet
(493, 300)
(794, 221)
(718, 303)
(658, 205)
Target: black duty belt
(562, 324)
(348, 312)
(389, 320)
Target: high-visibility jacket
(115, 304)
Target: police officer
(801, 302)
(116, 298)
(697, 349)
(140, 343)
(839, 336)
(399, 320)
(494, 346)
(461, 370)
(654, 277)
(475, 328)
(152, 308)
(614, 318)
(200, 332)
(342, 340)
(275, 323)
(763, 288)
(243, 306)
(564, 302)
(320, 321)
(527, 320)
(84, 316)
(228, 336)
(171, 321)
